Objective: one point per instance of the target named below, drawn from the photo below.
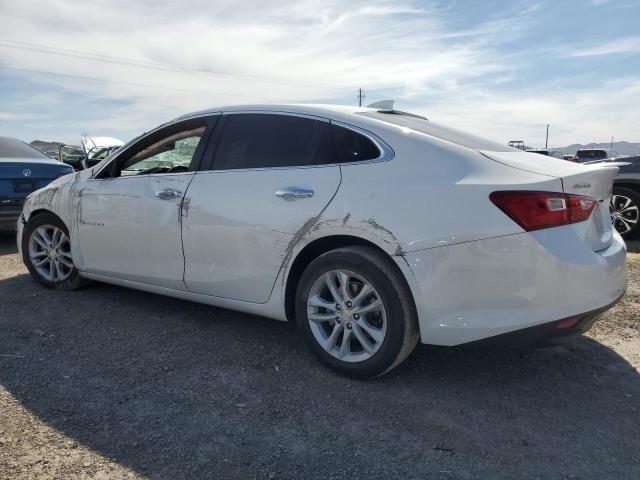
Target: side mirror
(89, 162)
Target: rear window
(421, 124)
(591, 154)
(10, 148)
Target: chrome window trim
(127, 145)
(386, 152)
(278, 112)
(142, 176)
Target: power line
(152, 65)
(81, 77)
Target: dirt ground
(113, 383)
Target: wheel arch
(40, 211)
(318, 247)
(629, 183)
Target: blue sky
(501, 69)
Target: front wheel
(625, 211)
(356, 312)
(46, 251)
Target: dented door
(241, 226)
(129, 228)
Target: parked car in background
(23, 169)
(97, 149)
(595, 155)
(50, 148)
(548, 153)
(571, 158)
(625, 198)
(334, 217)
(71, 155)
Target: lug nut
(348, 326)
(338, 320)
(349, 304)
(338, 307)
(356, 316)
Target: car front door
(131, 212)
(269, 176)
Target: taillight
(537, 210)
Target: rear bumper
(477, 290)
(10, 210)
(552, 333)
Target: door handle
(168, 194)
(293, 193)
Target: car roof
(300, 108)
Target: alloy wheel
(50, 253)
(624, 213)
(346, 315)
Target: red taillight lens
(537, 210)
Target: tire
(378, 339)
(64, 275)
(625, 211)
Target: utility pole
(546, 142)
(611, 143)
(361, 95)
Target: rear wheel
(46, 251)
(356, 312)
(625, 211)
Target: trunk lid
(589, 180)
(18, 178)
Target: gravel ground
(112, 383)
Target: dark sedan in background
(625, 198)
(23, 169)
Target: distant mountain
(623, 148)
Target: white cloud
(616, 46)
(282, 51)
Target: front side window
(254, 140)
(170, 150)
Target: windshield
(591, 154)
(11, 148)
(421, 124)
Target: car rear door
(130, 214)
(269, 176)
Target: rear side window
(254, 140)
(10, 148)
(353, 146)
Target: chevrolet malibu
(372, 229)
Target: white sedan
(372, 229)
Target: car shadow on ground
(8, 243)
(173, 389)
(633, 246)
